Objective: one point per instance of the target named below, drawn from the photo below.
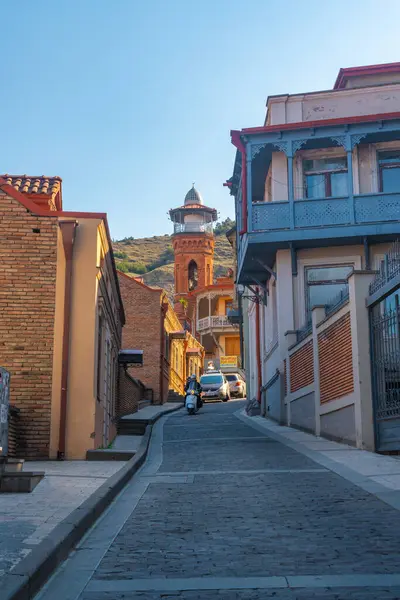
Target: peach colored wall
(334, 104)
(82, 393)
(279, 185)
(57, 354)
(221, 304)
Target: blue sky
(129, 101)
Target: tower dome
(193, 197)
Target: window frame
(321, 282)
(381, 167)
(326, 173)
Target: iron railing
(386, 362)
(303, 332)
(214, 322)
(390, 268)
(337, 302)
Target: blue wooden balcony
(268, 226)
(316, 222)
(326, 212)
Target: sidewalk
(375, 473)
(28, 519)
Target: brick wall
(28, 257)
(142, 329)
(302, 367)
(335, 360)
(130, 393)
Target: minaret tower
(193, 243)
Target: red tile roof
(36, 186)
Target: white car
(215, 386)
(237, 385)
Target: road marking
(362, 580)
(211, 439)
(242, 472)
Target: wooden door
(232, 346)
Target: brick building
(202, 302)
(61, 317)
(169, 352)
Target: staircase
(131, 426)
(175, 397)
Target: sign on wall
(229, 361)
(4, 407)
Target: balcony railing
(390, 268)
(214, 322)
(326, 212)
(193, 228)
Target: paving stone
(303, 594)
(266, 524)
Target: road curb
(32, 572)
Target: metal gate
(385, 352)
(4, 407)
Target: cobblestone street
(223, 510)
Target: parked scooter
(193, 399)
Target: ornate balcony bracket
(356, 139)
(340, 140)
(348, 141)
(298, 144)
(256, 296)
(255, 149)
(266, 267)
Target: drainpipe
(237, 142)
(68, 229)
(258, 353)
(240, 305)
(164, 308)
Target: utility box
(4, 408)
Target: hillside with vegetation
(153, 258)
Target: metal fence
(303, 332)
(389, 269)
(337, 302)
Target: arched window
(192, 275)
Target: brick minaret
(193, 243)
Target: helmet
(193, 377)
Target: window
(99, 354)
(228, 306)
(325, 177)
(211, 379)
(324, 285)
(389, 171)
(192, 275)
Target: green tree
(123, 266)
(224, 226)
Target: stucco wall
(339, 425)
(274, 400)
(334, 104)
(81, 406)
(302, 412)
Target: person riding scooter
(193, 385)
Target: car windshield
(210, 379)
(232, 377)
